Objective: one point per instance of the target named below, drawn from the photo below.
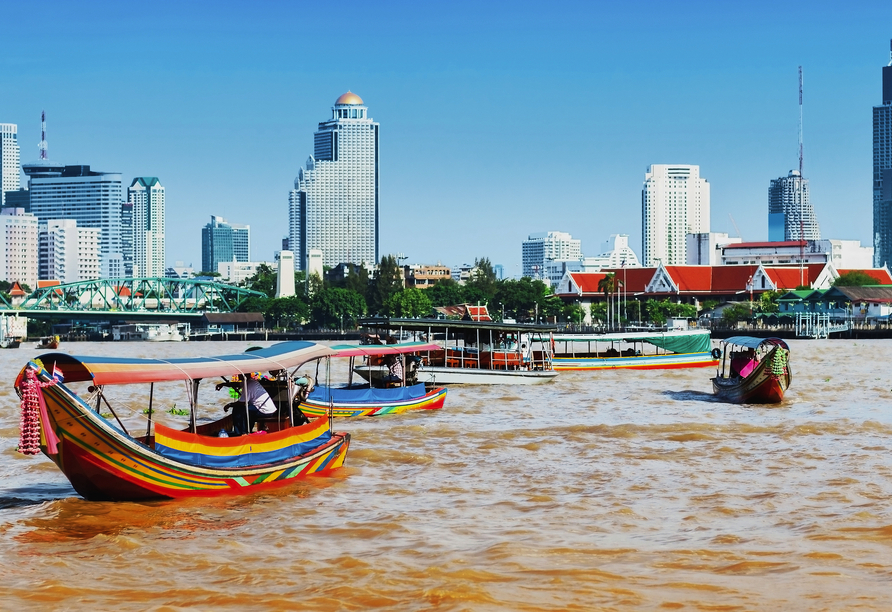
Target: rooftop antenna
(42, 147)
(890, 53)
(801, 179)
(735, 227)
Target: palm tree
(607, 285)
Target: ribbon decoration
(34, 417)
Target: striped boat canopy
(122, 370)
(352, 350)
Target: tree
(210, 273)
(659, 311)
(481, 286)
(286, 312)
(607, 286)
(446, 292)
(768, 301)
(522, 299)
(855, 278)
(336, 308)
(263, 280)
(357, 280)
(388, 280)
(737, 312)
(410, 303)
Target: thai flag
(57, 374)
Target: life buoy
(716, 353)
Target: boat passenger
(259, 403)
(395, 370)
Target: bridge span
(174, 299)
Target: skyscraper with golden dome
(334, 204)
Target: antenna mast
(42, 146)
(801, 179)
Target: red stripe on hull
(672, 366)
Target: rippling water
(603, 490)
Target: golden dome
(348, 98)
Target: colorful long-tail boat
(390, 397)
(757, 372)
(103, 461)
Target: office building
(704, 249)
(20, 198)
(68, 253)
(18, 253)
(539, 249)
(224, 242)
(334, 204)
(790, 214)
(9, 160)
(146, 195)
(127, 238)
(91, 198)
(882, 177)
(674, 203)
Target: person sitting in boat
(743, 363)
(251, 393)
(394, 369)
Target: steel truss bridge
(131, 299)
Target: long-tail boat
(635, 350)
(383, 397)
(753, 370)
(103, 461)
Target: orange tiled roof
(16, 290)
(880, 274)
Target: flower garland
(29, 426)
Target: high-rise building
(674, 203)
(9, 159)
(68, 253)
(91, 198)
(224, 242)
(146, 194)
(18, 251)
(334, 204)
(539, 249)
(790, 214)
(127, 238)
(882, 163)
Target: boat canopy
(368, 350)
(124, 370)
(754, 343)
(368, 395)
(677, 342)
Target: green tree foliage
(357, 280)
(263, 280)
(336, 308)
(768, 301)
(574, 313)
(659, 311)
(446, 292)
(210, 273)
(855, 278)
(737, 312)
(408, 303)
(522, 299)
(482, 284)
(388, 280)
(286, 312)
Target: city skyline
(467, 119)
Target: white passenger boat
(472, 353)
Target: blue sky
(497, 119)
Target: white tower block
(285, 277)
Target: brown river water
(616, 490)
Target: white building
(703, 248)
(334, 204)
(9, 159)
(674, 203)
(843, 254)
(92, 199)
(146, 194)
(18, 253)
(541, 248)
(620, 255)
(236, 272)
(68, 253)
(790, 214)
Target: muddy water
(606, 490)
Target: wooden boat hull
(637, 362)
(432, 400)
(103, 463)
(442, 375)
(761, 386)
